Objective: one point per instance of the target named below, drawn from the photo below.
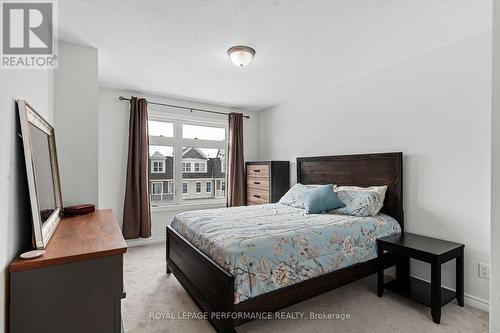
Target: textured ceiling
(178, 48)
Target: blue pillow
(321, 199)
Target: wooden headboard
(359, 170)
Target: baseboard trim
(470, 300)
(477, 302)
(144, 241)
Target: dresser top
(79, 238)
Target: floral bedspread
(267, 247)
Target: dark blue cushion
(321, 199)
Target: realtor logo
(28, 34)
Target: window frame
(208, 184)
(185, 166)
(160, 163)
(169, 187)
(153, 183)
(177, 142)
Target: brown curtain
(236, 164)
(136, 216)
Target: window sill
(186, 206)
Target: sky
(160, 128)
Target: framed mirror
(42, 172)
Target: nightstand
(431, 250)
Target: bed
(239, 262)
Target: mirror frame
(41, 232)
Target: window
(169, 185)
(160, 177)
(160, 128)
(157, 166)
(220, 188)
(203, 132)
(204, 168)
(200, 167)
(157, 188)
(186, 157)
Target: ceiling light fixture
(241, 55)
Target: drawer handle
(257, 196)
(256, 170)
(256, 183)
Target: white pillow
(361, 201)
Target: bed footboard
(209, 284)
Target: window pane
(160, 128)
(202, 170)
(161, 175)
(203, 132)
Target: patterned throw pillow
(361, 201)
(321, 199)
(293, 197)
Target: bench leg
(403, 272)
(459, 274)
(436, 291)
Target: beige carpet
(150, 290)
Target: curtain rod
(121, 98)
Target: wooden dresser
(267, 181)
(77, 286)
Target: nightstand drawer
(257, 196)
(252, 202)
(258, 183)
(258, 171)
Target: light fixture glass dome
(241, 55)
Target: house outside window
(186, 155)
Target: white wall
(435, 108)
(495, 178)
(35, 86)
(75, 102)
(113, 143)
